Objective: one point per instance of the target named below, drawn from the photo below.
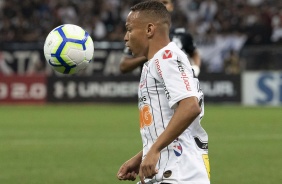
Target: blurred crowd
(32, 20)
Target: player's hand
(148, 165)
(128, 171)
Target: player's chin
(133, 51)
(136, 54)
(129, 49)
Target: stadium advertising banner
(28, 58)
(97, 88)
(23, 89)
(100, 88)
(220, 88)
(102, 80)
(262, 88)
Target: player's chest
(148, 83)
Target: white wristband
(196, 70)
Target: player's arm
(188, 109)
(130, 169)
(190, 48)
(196, 64)
(128, 63)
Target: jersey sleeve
(177, 78)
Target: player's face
(168, 4)
(135, 37)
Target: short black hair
(154, 8)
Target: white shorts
(184, 162)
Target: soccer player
(180, 36)
(171, 106)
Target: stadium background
(79, 129)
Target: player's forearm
(138, 157)
(196, 65)
(196, 58)
(128, 64)
(185, 114)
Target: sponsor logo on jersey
(159, 68)
(166, 92)
(167, 54)
(142, 99)
(145, 116)
(201, 144)
(161, 75)
(184, 76)
(177, 148)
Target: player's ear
(150, 30)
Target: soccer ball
(68, 49)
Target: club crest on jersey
(177, 148)
(167, 54)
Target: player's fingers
(145, 169)
(134, 175)
(141, 176)
(146, 172)
(131, 176)
(120, 176)
(121, 173)
(149, 171)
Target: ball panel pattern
(68, 49)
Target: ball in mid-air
(68, 49)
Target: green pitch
(86, 144)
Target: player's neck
(156, 46)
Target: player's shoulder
(171, 51)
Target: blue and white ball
(68, 49)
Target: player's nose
(125, 37)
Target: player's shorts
(184, 162)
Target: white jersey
(165, 80)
